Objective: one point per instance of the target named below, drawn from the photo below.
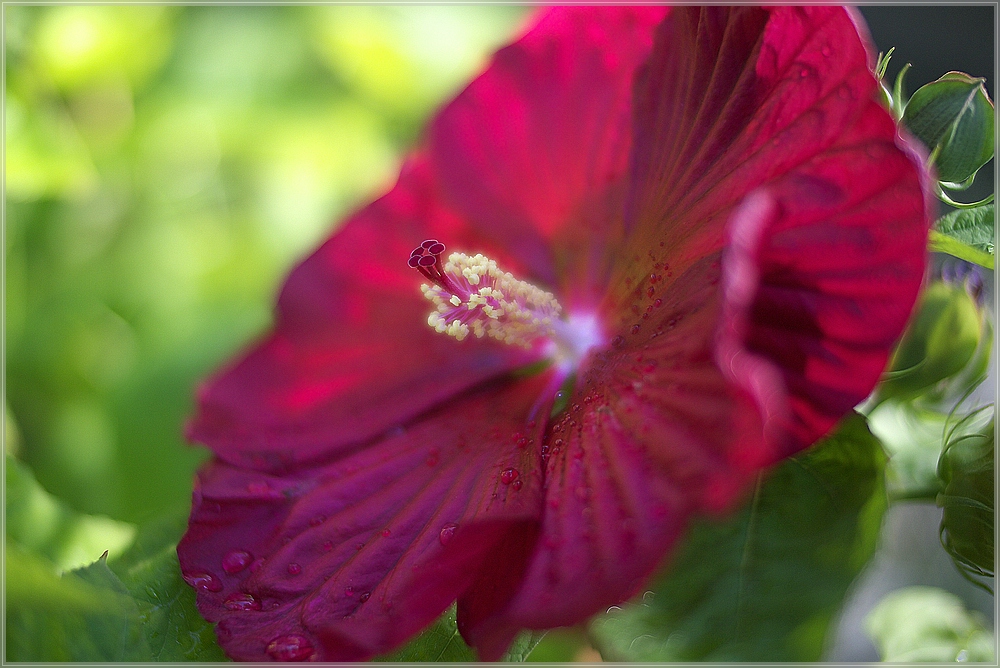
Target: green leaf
(40, 523)
(967, 234)
(172, 626)
(926, 624)
(140, 609)
(441, 641)
(953, 117)
(763, 584)
(55, 626)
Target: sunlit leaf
(764, 584)
(924, 624)
(967, 234)
(40, 523)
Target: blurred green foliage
(165, 167)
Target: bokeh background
(165, 168)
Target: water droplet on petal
(509, 475)
(256, 564)
(327, 546)
(235, 561)
(241, 601)
(635, 329)
(658, 303)
(348, 591)
(386, 533)
(618, 341)
(364, 597)
(292, 647)
(294, 569)
(204, 582)
(516, 485)
(316, 521)
(447, 531)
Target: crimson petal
(351, 354)
(533, 145)
(776, 233)
(346, 558)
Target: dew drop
(509, 475)
(204, 582)
(358, 546)
(658, 303)
(558, 442)
(520, 440)
(236, 560)
(256, 564)
(292, 647)
(294, 569)
(316, 521)
(365, 596)
(241, 601)
(650, 291)
(618, 341)
(516, 485)
(826, 50)
(328, 546)
(635, 329)
(348, 591)
(447, 531)
(386, 533)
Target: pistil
(472, 295)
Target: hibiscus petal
(351, 354)
(349, 559)
(777, 227)
(780, 101)
(532, 146)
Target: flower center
(472, 295)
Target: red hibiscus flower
(714, 236)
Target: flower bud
(966, 471)
(941, 339)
